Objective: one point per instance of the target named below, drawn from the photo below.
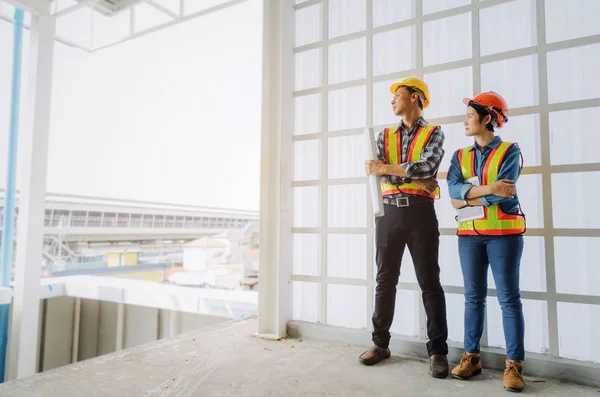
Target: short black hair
(412, 90)
(482, 112)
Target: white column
(33, 141)
(276, 207)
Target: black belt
(406, 201)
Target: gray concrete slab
(225, 360)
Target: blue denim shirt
(509, 169)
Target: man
(409, 157)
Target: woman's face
(473, 125)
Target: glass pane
(572, 141)
(390, 11)
(308, 69)
(529, 190)
(532, 274)
(455, 313)
(308, 25)
(347, 305)
(346, 156)
(457, 81)
(578, 327)
(147, 17)
(347, 108)
(507, 27)
(536, 325)
(347, 61)
(307, 206)
(576, 263)
(307, 254)
(431, 6)
(571, 207)
(515, 79)
(347, 205)
(307, 160)
(455, 139)
(525, 131)
(565, 21)
(572, 74)
(347, 16)
(347, 255)
(446, 214)
(307, 118)
(447, 40)
(450, 270)
(382, 104)
(406, 314)
(394, 51)
(307, 301)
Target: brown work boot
(438, 366)
(513, 376)
(469, 366)
(374, 355)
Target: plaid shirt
(431, 157)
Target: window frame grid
(545, 169)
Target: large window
(542, 57)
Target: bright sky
(173, 116)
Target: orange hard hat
(493, 103)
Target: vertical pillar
(120, 326)
(276, 207)
(34, 155)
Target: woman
(484, 175)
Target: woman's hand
(458, 203)
(504, 188)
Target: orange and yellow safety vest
(393, 155)
(494, 222)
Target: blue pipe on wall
(9, 200)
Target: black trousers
(415, 226)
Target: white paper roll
(374, 181)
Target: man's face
(404, 100)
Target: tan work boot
(469, 366)
(513, 376)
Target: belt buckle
(402, 201)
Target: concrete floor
(225, 360)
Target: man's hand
(374, 167)
(504, 188)
(429, 185)
(457, 203)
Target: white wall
(460, 48)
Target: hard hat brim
(466, 101)
(394, 87)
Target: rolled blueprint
(374, 181)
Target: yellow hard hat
(413, 82)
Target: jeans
(415, 226)
(503, 254)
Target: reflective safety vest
(494, 221)
(393, 155)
